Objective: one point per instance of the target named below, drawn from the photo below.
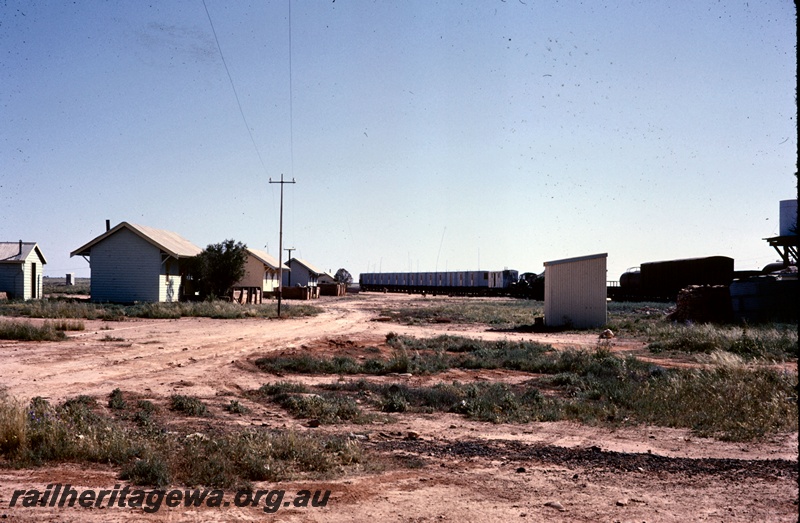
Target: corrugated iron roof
(172, 243)
(307, 265)
(578, 259)
(10, 252)
(267, 259)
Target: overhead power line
(235, 94)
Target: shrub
(13, 433)
(234, 407)
(26, 331)
(116, 401)
(188, 405)
(281, 387)
(149, 471)
(69, 325)
(326, 409)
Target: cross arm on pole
(282, 182)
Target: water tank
(631, 279)
(764, 298)
(788, 217)
(774, 267)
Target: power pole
(280, 245)
(290, 249)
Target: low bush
(74, 432)
(234, 407)
(769, 342)
(116, 401)
(13, 434)
(27, 331)
(188, 405)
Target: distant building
(302, 274)
(575, 292)
(131, 263)
(261, 272)
(326, 278)
(21, 265)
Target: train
(452, 283)
(651, 281)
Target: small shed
(21, 266)
(575, 292)
(302, 274)
(131, 263)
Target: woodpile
(300, 293)
(703, 304)
(332, 289)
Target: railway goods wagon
(457, 283)
(663, 280)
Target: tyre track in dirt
(209, 355)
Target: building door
(33, 281)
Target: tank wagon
(455, 283)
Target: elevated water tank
(788, 217)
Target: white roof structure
(18, 252)
(168, 241)
(307, 265)
(267, 259)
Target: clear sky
(422, 135)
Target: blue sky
(422, 135)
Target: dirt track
(468, 471)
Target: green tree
(342, 276)
(218, 267)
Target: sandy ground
(466, 471)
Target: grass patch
(13, 434)
(642, 320)
(68, 325)
(774, 342)
(494, 312)
(144, 416)
(281, 387)
(58, 286)
(73, 432)
(27, 331)
(325, 408)
(71, 309)
(418, 356)
(730, 401)
(188, 405)
(234, 407)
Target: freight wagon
(663, 280)
(454, 283)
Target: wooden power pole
(280, 245)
